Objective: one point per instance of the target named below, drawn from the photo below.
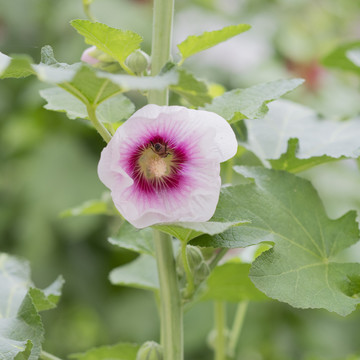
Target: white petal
(114, 177)
(205, 137)
(225, 139)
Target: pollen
(153, 166)
(157, 167)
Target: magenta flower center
(157, 165)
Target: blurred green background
(48, 164)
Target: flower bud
(100, 60)
(150, 350)
(138, 61)
(197, 264)
(90, 55)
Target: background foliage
(48, 164)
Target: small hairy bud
(138, 61)
(197, 264)
(150, 350)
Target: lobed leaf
(115, 42)
(130, 238)
(191, 89)
(140, 273)
(24, 355)
(123, 351)
(289, 161)
(128, 82)
(186, 231)
(21, 329)
(301, 269)
(112, 110)
(230, 282)
(250, 103)
(52, 71)
(18, 66)
(4, 62)
(318, 140)
(354, 56)
(89, 87)
(196, 43)
(48, 298)
(339, 58)
(87, 84)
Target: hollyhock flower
(163, 164)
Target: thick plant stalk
(161, 45)
(170, 300)
(220, 327)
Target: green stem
(97, 124)
(190, 287)
(220, 326)
(161, 45)
(217, 258)
(46, 356)
(170, 300)
(237, 326)
(87, 11)
(229, 171)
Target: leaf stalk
(220, 327)
(91, 110)
(190, 286)
(236, 328)
(46, 356)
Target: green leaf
(51, 71)
(48, 298)
(319, 140)
(60, 100)
(140, 273)
(80, 80)
(115, 42)
(88, 87)
(47, 56)
(339, 58)
(133, 239)
(289, 162)
(103, 206)
(230, 282)
(186, 231)
(191, 89)
(18, 66)
(24, 355)
(194, 44)
(112, 110)
(21, 330)
(127, 82)
(115, 109)
(250, 103)
(354, 56)
(301, 269)
(4, 62)
(123, 351)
